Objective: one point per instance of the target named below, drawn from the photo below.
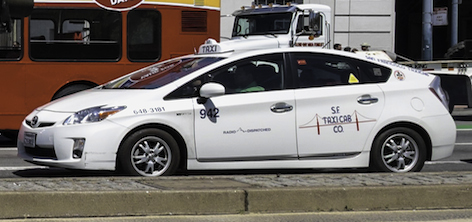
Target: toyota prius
(292, 108)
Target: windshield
(161, 74)
(260, 24)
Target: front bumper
(54, 144)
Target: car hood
(93, 98)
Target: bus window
(10, 42)
(80, 28)
(144, 35)
(91, 34)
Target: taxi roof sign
(211, 46)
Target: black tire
(398, 149)
(137, 154)
(71, 90)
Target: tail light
(436, 89)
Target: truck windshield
(160, 74)
(260, 24)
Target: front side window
(261, 73)
(260, 24)
(256, 74)
(161, 74)
(144, 35)
(75, 34)
(10, 42)
(319, 70)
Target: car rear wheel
(398, 150)
(149, 152)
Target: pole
(454, 21)
(427, 43)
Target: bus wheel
(148, 152)
(70, 90)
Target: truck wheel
(398, 150)
(149, 152)
(70, 90)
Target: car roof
(249, 53)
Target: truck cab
(280, 26)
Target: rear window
(161, 74)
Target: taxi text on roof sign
(211, 46)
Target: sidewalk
(194, 195)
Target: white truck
(455, 72)
(278, 26)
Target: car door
(338, 104)
(254, 120)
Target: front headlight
(91, 115)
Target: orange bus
(65, 46)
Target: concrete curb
(112, 203)
(51, 204)
(359, 198)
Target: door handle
(367, 99)
(281, 107)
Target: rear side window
(75, 34)
(319, 70)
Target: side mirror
(314, 21)
(209, 90)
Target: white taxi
(286, 108)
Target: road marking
(445, 162)
(15, 168)
(18, 168)
(8, 149)
(463, 144)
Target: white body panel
(246, 128)
(333, 114)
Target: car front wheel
(398, 150)
(149, 152)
